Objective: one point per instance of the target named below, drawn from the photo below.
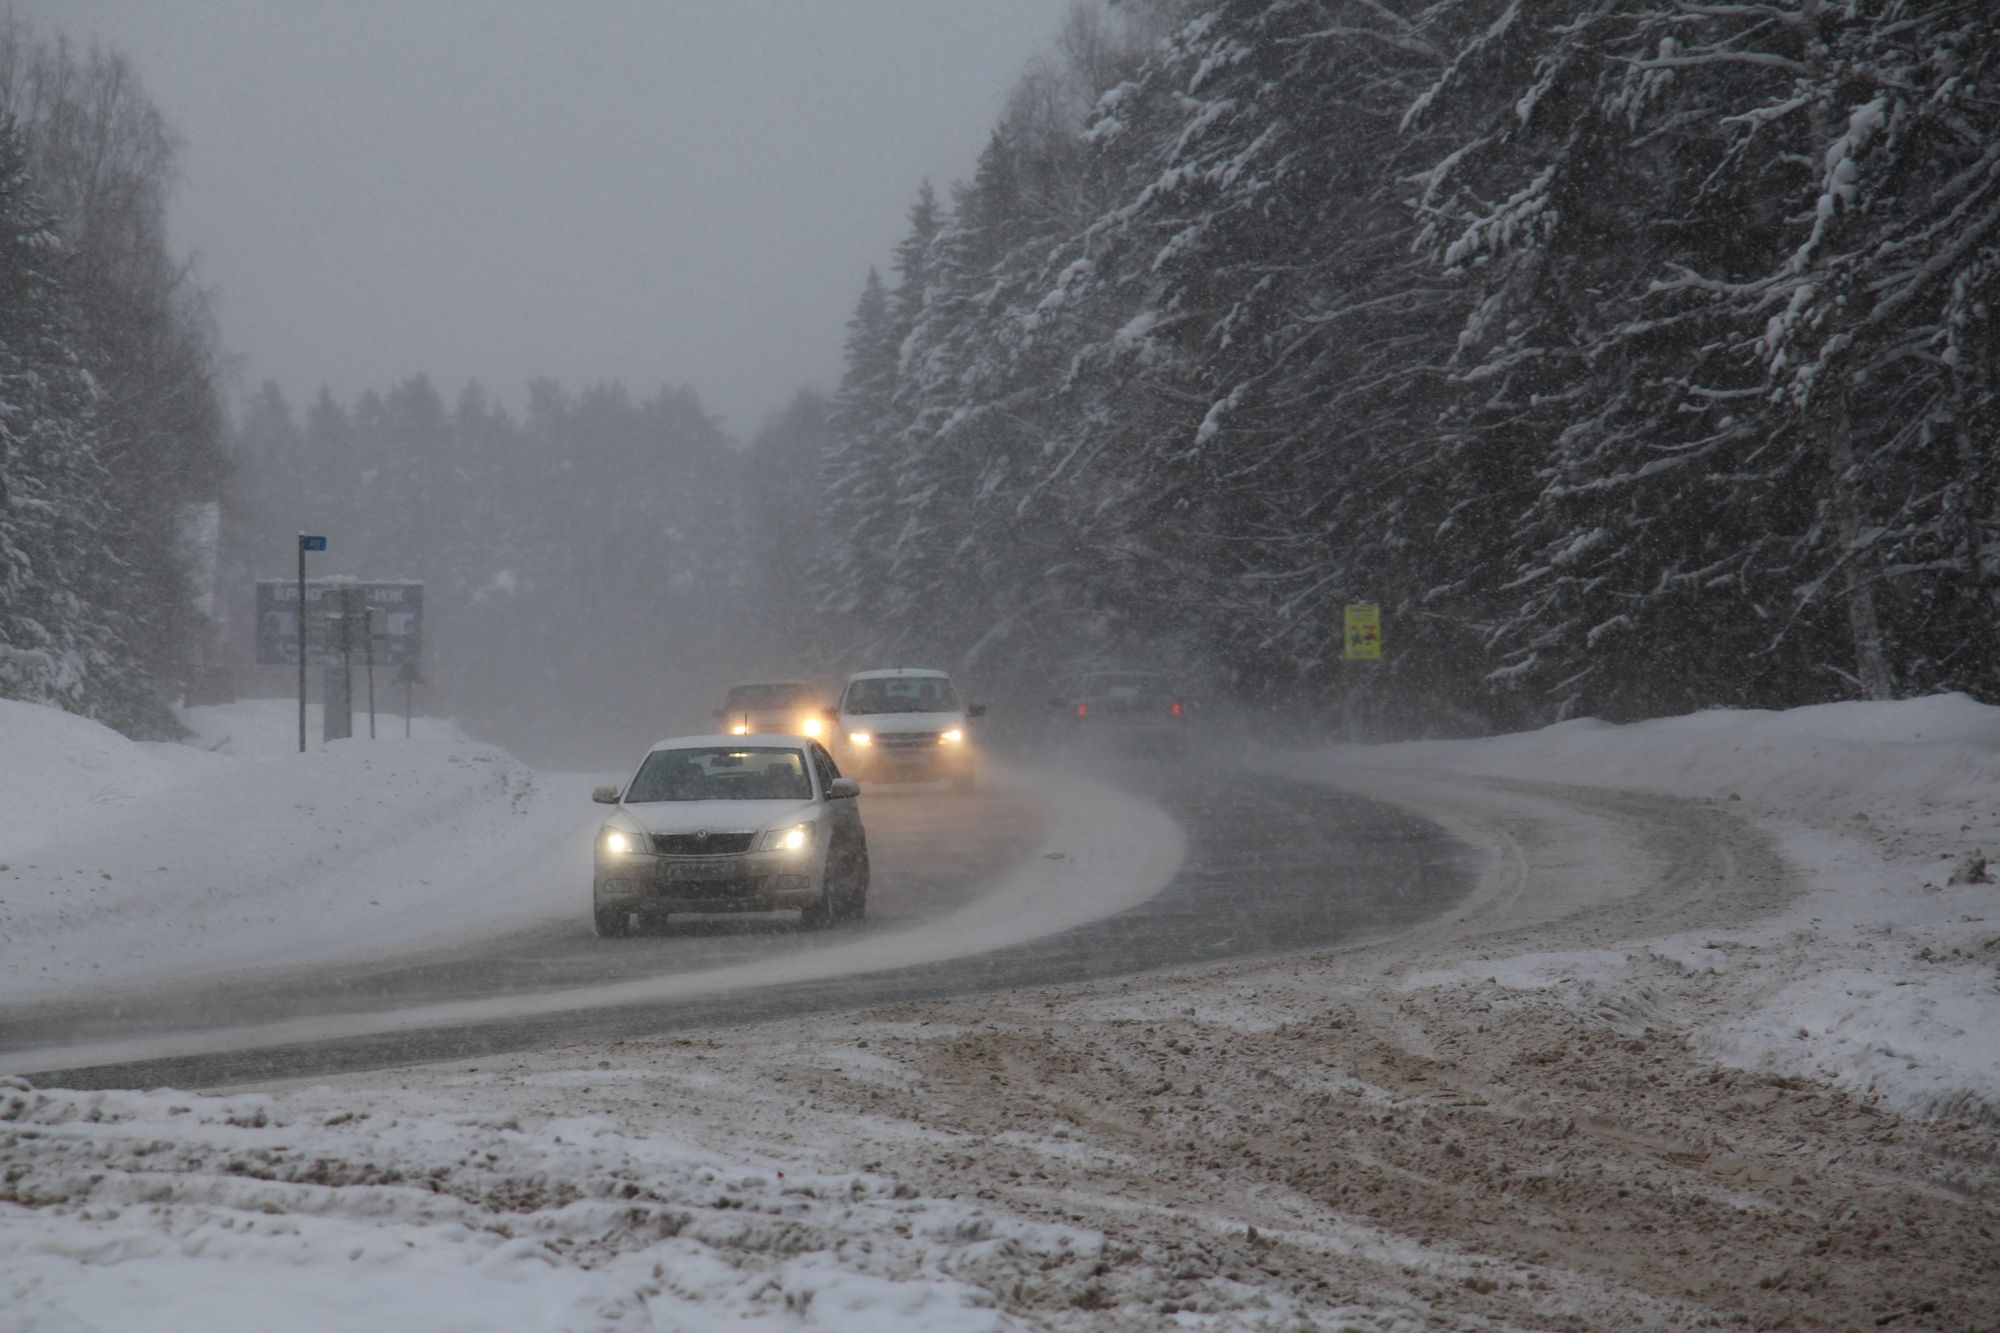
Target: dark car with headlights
(778, 707)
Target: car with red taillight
(1132, 712)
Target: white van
(905, 724)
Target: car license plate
(715, 868)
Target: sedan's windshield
(735, 773)
(901, 694)
(780, 694)
(1126, 682)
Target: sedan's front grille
(696, 844)
(907, 740)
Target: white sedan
(731, 824)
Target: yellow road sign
(1364, 633)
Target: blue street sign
(312, 543)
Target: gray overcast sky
(665, 191)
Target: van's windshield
(901, 694)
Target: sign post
(305, 544)
(1364, 633)
(368, 643)
(411, 678)
(345, 602)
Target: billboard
(394, 612)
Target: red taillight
(1177, 708)
(1083, 710)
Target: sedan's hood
(718, 816)
(877, 723)
(763, 716)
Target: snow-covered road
(367, 889)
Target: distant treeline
(1633, 357)
(595, 557)
(110, 429)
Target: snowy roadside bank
(1881, 973)
(125, 864)
(1581, 1104)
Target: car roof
(762, 741)
(891, 672)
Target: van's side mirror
(719, 714)
(605, 796)
(842, 789)
(976, 710)
(833, 715)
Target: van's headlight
(952, 737)
(859, 738)
(810, 727)
(794, 839)
(740, 729)
(620, 842)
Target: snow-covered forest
(1634, 357)
(110, 422)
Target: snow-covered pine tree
(1876, 328)
(59, 643)
(1272, 351)
(1684, 221)
(103, 159)
(858, 470)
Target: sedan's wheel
(852, 904)
(613, 923)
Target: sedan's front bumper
(750, 882)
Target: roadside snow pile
(66, 775)
(169, 1211)
(125, 863)
(1884, 976)
(269, 728)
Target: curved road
(1272, 864)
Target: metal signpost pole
(300, 619)
(368, 644)
(305, 544)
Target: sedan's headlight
(794, 839)
(859, 738)
(621, 842)
(740, 729)
(952, 737)
(809, 727)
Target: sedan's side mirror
(976, 710)
(605, 796)
(833, 715)
(842, 789)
